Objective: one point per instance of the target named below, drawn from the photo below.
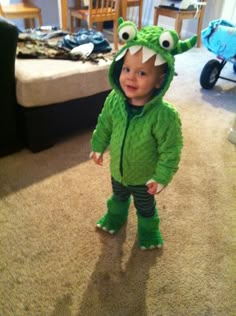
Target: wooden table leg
(156, 16)
(62, 6)
(123, 9)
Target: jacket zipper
(130, 117)
(123, 145)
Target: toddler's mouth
(130, 87)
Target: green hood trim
(163, 43)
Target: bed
(58, 97)
(43, 100)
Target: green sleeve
(169, 137)
(102, 133)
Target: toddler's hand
(154, 187)
(97, 158)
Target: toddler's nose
(131, 75)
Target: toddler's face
(138, 80)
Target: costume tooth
(134, 49)
(147, 54)
(159, 60)
(122, 54)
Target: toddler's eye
(127, 32)
(167, 40)
(141, 73)
(125, 69)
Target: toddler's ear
(160, 81)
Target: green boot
(116, 216)
(149, 235)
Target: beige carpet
(54, 263)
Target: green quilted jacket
(146, 147)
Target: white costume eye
(167, 41)
(127, 33)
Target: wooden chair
(180, 15)
(1, 11)
(132, 3)
(98, 12)
(24, 11)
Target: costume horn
(185, 45)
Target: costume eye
(127, 32)
(168, 40)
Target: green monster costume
(146, 147)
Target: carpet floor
(53, 262)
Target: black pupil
(125, 35)
(166, 43)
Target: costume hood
(153, 40)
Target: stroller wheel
(234, 67)
(210, 74)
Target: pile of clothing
(58, 44)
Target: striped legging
(144, 202)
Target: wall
(229, 10)
(49, 11)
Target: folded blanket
(220, 38)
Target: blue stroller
(219, 38)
